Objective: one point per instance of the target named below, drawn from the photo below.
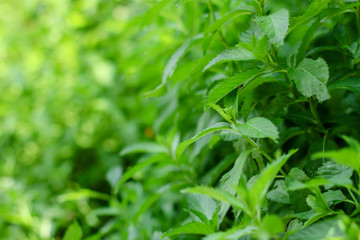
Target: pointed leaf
(233, 54)
(310, 78)
(259, 127)
(351, 84)
(229, 84)
(190, 228)
(263, 182)
(275, 26)
(217, 127)
(73, 232)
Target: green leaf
(279, 194)
(336, 173)
(327, 229)
(263, 182)
(139, 166)
(234, 233)
(217, 127)
(145, 147)
(171, 66)
(275, 26)
(218, 194)
(334, 196)
(272, 224)
(229, 84)
(231, 179)
(310, 78)
(316, 7)
(351, 84)
(233, 54)
(259, 127)
(204, 204)
(261, 48)
(345, 156)
(190, 228)
(217, 24)
(73, 232)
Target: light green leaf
(259, 127)
(345, 156)
(272, 224)
(327, 229)
(204, 204)
(261, 48)
(316, 7)
(233, 54)
(234, 233)
(275, 26)
(145, 147)
(231, 179)
(310, 78)
(334, 196)
(336, 173)
(229, 84)
(263, 182)
(218, 194)
(190, 228)
(217, 127)
(351, 84)
(279, 194)
(73, 232)
(217, 24)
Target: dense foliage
(180, 119)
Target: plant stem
(213, 18)
(314, 112)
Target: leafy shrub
(235, 120)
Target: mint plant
(279, 88)
(180, 119)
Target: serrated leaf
(316, 7)
(229, 84)
(190, 228)
(232, 54)
(259, 127)
(217, 127)
(73, 232)
(261, 48)
(310, 78)
(279, 193)
(275, 26)
(336, 173)
(204, 204)
(217, 24)
(351, 84)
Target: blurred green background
(71, 77)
